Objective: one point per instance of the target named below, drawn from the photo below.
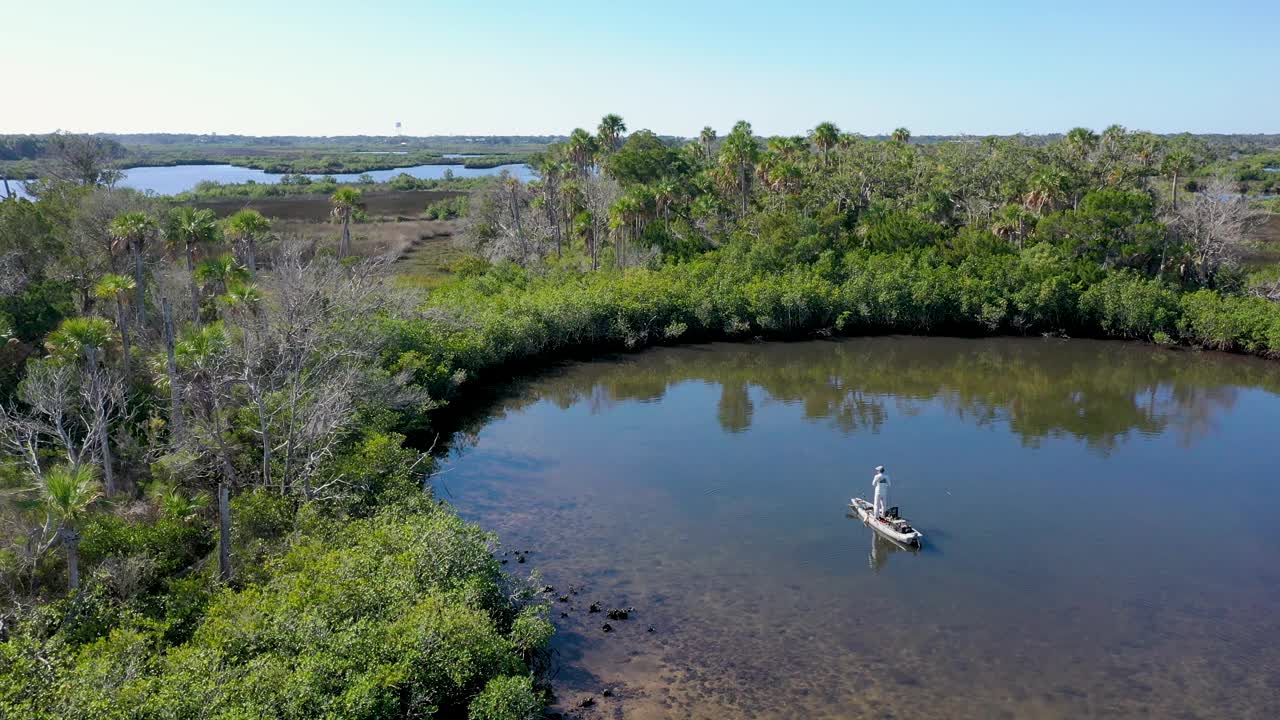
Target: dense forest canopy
(1110, 199)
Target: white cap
(879, 468)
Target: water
(174, 180)
(1101, 521)
(181, 178)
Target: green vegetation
(1254, 173)
(345, 201)
(31, 156)
(357, 618)
(832, 233)
(303, 185)
(357, 163)
(209, 505)
(450, 208)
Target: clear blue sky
(474, 67)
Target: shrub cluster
(389, 606)
(509, 315)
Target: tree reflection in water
(1097, 392)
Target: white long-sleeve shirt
(880, 498)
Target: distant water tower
(398, 132)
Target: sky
(505, 68)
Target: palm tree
(221, 272)
(1010, 223)
(1079, 143)
(610, 132)
(247, 227)
(902, 136)
(200, 353)
(1177, 163)
(665, 192)
(779, 167)
(135, 229)
(1045, 189)
(552, 170)
(345, 201)
(76, 334)
(825, 136)
(178, 505)
(243, 295)
(245, 299)
(582, 150)
(116, 288)
(1146, 147)
(68, 492)
(191, 227)
(626, 216)
(583, 225)
(708, 139)
(738, 155)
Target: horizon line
(565, 135)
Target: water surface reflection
(1073, 496)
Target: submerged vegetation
(210, 506)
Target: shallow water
(174, 180)
(1100, 520)
(181, 178)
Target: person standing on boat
(880, 486)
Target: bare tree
(493, 226)
(47, 416)
(502, 222)
(1214, 225)
(599, 194)
(171, 369)
(12, 276)
(84, 159)
(306, 347)
(63, 408)
(103, 396)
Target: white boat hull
(911, 538)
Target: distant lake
(181, 178)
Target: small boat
(891, 526)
